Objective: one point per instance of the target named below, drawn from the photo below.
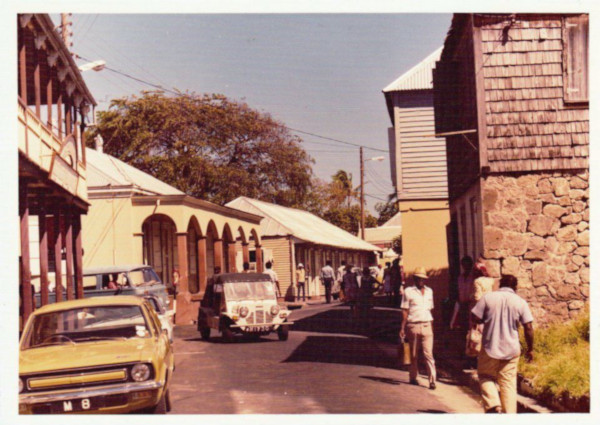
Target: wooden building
(135, 218)
(291, 236)
(53, 104)
(514, 89)
(418, 165)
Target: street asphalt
(331, 363)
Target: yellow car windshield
(87, 324)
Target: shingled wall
(529, 126)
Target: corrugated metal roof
(283, 221)
(382, 233)
(105, 170)
(394, 221)
(418, 77)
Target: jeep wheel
(205, 333)
(283, 332)
(227, 334)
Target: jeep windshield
(87, 324)
(238, 291)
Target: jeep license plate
(259, 329)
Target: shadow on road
(342, 350)
(378, 323)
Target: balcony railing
(61, 159)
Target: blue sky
(319, 73)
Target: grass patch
(561, 358)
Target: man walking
(501, 312)
(300, 280)
(327, 276)
(417, 325)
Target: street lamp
(362, 189)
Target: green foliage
(208, 146)
(397, 244)
(386, 211)
(338, 203)
(561, 358)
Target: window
(575, 58)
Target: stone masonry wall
(536, 227)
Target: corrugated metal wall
(278, 250)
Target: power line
(177, 93)
(335, 140)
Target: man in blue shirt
(501, 312)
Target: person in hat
(417, 325)
(300, 281)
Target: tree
(397, 244)
(208, 146)
(336, 202)
(386, 211)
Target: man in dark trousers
(327, 276)
(501, 313)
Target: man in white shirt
(417, 325)
(274, 278)
(327, 276)
(501, 313)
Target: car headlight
(140, 372)
(21, 385)
(274, 310)
(244, 311)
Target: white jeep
(242, 303)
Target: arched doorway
(213, 259)
(228, 249)
(195, 266)
(159, 246)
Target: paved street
(330, 364)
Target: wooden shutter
(575, 58)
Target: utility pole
(362, 195)
(65, 32)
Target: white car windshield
(87, 324)
(237, 291)
(140, 277)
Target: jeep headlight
(21, 385)
(244, 311)
(274, 310)
(140, 372)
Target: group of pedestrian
(393, 282)
(497, 315)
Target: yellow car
(95, 355)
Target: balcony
(61, 160)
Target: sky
(317, 73)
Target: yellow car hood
(85, 354)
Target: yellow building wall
(108, 237)
(424, 243)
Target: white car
(165, 315)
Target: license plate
(259, 329)
(76, 405)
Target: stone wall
(536, 227)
